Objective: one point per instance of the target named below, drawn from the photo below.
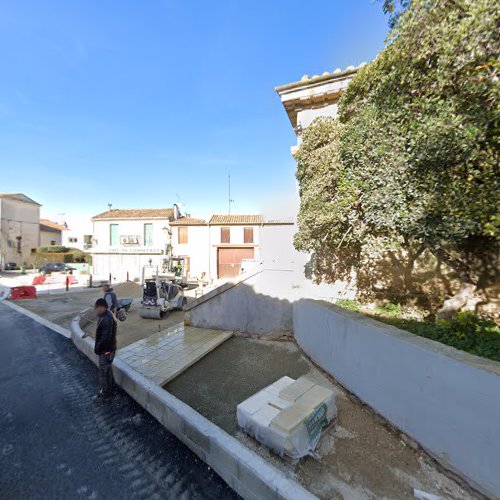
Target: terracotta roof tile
(236, 219)
(188, 221)
(48, 225)
(137, 213)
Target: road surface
(56, 443)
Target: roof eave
(280, 89)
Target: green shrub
(389, 309)
(350, 305)
(78, 255)
(53, 249)
(466, 331)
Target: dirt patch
(358, 457)
(62, 308)
(135, 328)
(128, 289)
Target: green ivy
(413, 159)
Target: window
(73, 240)
(183, 235)
(52, 242)
(225, 235)
(248, 235)
(148, 235)
(113, 235)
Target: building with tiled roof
(136, 213)
(188, 221)
(126, 240)
(49, 225)
(312, 97)
(50, 233)
(235, 219)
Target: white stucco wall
(101, 232)
(121, 258)
(18, 218)
(236, 237)
(447, 400)
(277, 248)
(50, 238)
(260, 304)
(196, 249)
(306, 116)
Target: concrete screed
(358, 457)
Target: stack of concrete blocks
(288, 416)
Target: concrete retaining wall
(247, 473)
(258, 304)
(447, 400)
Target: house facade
(126, 240)
(76, 236)
(216, 249)
(19, 228)
(310, 98)
(234, 239)
(227, 245)
(51, 233)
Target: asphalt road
(56, 443)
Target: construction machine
(159, 297)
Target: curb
(39, 319)
(242, 469)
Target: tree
(394, 8)
(412, 163)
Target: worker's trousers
(106, 372)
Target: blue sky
(140, 104)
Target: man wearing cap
(105, 347)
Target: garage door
(229, 261)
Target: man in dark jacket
(110, 298)
(105, 347)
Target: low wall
(242, 469)
(447, 400)
(258, 304)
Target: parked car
(55, 268)
(11, 266)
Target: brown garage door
(229, 261)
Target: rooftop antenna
(229, 198)
(109, 206)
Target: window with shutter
(183, 235)
(225, 235)
(248, 235)
(148, 235)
